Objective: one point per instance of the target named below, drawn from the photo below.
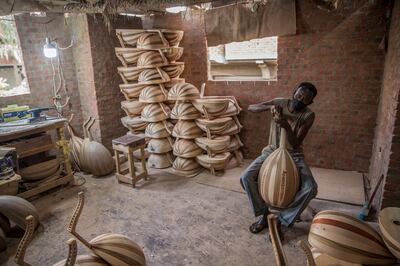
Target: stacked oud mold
(185, 130)
(149, 70)
(222, 143)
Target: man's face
(303, 95)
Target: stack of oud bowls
(149, 70)
(222, 143)
(185, 130)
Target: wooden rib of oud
(127, 145)
(280, 256)
(26, 239)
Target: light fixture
(133, 15)
(175, 9)
(50, 49)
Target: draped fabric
(243, 22)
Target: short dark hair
(309, 86)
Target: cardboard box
(14, 112)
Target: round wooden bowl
(159, 145)
(211, 106)
(152, 59)
(174, 70)
(347, 238)
(155, 112)
(134, 124)
(173, 37)
(158, 130)
(40, 170)
(128, 37)
(185, 129)
(186, 148)
(235, 143)
(16, 209)
(183, 92)
(232, 110)
(389, 223)
(168, 85)
(217, 126)
(172, 53)
(153, 76)
(131, 91)
(151, 40)
(184, 111)
(231, 129)
(216, 145)
(128, 56)
(132, 108)
(117, 249)
(186, 167)
(218, 162)
(322, 259)
(153, 94)
(159, 161)
(129, 73)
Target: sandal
(260, 225)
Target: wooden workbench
(19, 129)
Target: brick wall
(385, 158)
(106, 78)
(32, 34)
(336, 51)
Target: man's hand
(258, 108)
(279, 118)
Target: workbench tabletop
(20, 128)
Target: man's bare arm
(294, 140)
(261, 107)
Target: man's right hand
(258, 108)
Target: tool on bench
(36, 114)
(367, 205)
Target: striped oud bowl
(132, 108)
(159, 161)
(184, 111)
(158, 130)
(185, 129)
(153, 94)
(132, 91)
(186, 167)
(174, 70)
(216, 145)
(186, 148)
(159, 145)
(347, 238)
(155, 112)
(183, 92)
(218, 162)
(389, 223)
(134, 124)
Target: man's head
(303, 96)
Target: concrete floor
(175, 219)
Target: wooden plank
(29, 146)
(46, 186)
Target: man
(296, 118)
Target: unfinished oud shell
(134, 124)
(183, 92)
(347, 238)
(151, 59)
(129, 73)
(16, 209)
(218, 126)
(389, 223)
(153, 94)
(186, 130)
(172, 53)
(131, 37)
(131, 91)
(184, 111)
(155, 112)
(153, 76)
(235, 143)
(132, 108)
(186, 167)
(278, 177)
(158, 130)
(95, 158)
(218, 162)
(159, 145)
(151, 40)
(168, 85)
(186, 148)
(128, 56)
(115, 249)
(159, 161)
(174, 70)
(216, 145)
(40, 170)
(211, 106)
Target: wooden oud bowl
(159, 161)
(40, 170)
(389, 224)
(158, 130)
(172, 53)
(159, 145)
(155, 112)
(134, 124)
(174, 70)
(153, 94)
(184, 111)
(131, 91)
(132, 108)
(186, 167)
(183, 92)
(186, 148)
(216, 145)
(218, 162)
(185, 129)
(211, 106)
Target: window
(13, 79)
(250, 60)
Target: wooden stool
(126, 145)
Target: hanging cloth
(244, 22)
